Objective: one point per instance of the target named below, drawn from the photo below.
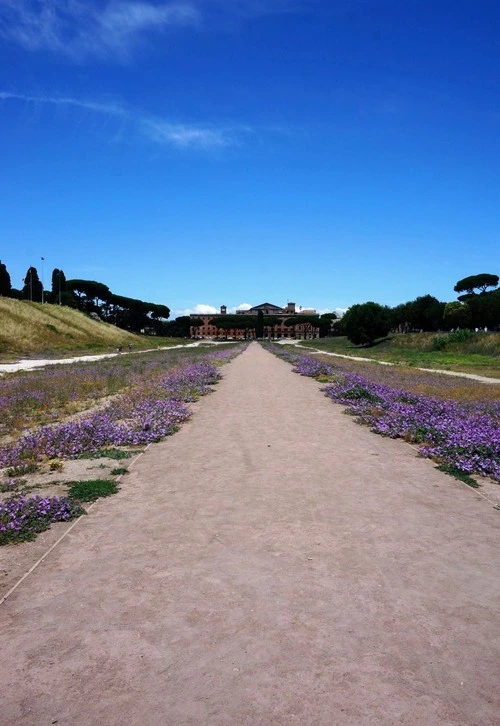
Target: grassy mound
(28, 328)
(469, 352)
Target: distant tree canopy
(5, 283)
(124, 312)
(485, 310)
(325, 323)
(181, 326)
(366, 322)
(270, 323)
(456, 315)
(89, 293)
(235, 322)
(307, 322)
(480, 282)
(423, 313)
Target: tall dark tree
(58, 286)
(425, 313)
(364, 323)
(485, 310)
(90, 294)
(259, 325)
(325, 324)
(32, 289)
(5, 283)
(178, 328)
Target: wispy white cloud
(112, 29)
(199, 309)
(81, 29)
(159, 131)
(204, 309)
(111, 109)
(242, 306)
(185, 134)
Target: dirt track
(272, 563)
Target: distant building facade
(277, 330)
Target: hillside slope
(28, 328)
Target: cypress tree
(32, 289)
(5, 284)
(259, 325)
(58, 285)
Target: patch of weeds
(458, 474)
(30, 468)
(55, 465)
(22, 519)
(422, 435)
(439, 342)
(107, 454)
(324, 378)
(119, 470)
(89, 491)
(12, 484)
(52, 328)
(357, 393)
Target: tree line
(476, 308)
(91, 297)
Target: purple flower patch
(465, 436)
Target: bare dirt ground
(272, 563)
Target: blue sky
(206, 152)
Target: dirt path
(272, 563)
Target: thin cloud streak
(159, 131)
(107, 108)
(184, 135)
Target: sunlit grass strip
(92, 489)
(463, 436)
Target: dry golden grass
(27, 328)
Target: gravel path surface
(271, 563)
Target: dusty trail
(272, 563)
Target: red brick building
(277, 331)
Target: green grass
(109, 454)
(89, 491)
(29, 468)
(458, 474)
(478, 353)
(119, 470)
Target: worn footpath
(271, 563)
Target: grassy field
(478, 353)
(33, 329)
